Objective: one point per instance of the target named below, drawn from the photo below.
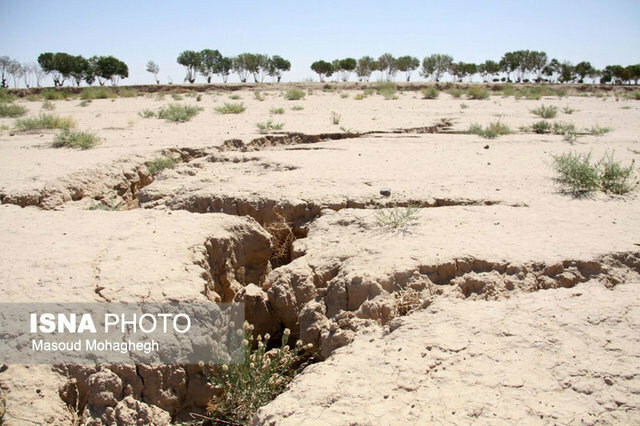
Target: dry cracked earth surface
(502, 301)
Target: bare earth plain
(506, 300)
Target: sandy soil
(525, 295)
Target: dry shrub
(407, 300)
(282, 238)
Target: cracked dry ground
(506, 301)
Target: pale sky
(304, 31)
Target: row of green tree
(62, 67)
(520, 66)
(210, 62)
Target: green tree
(387, 65)
(59, 65)
(240, 66)
(226, 65)
(584, 69)
(209, 63)
(154, 69)
(552, 70)
(364, 68)
(79, 69)
(322, 68)
(567, 72)
(634, 73)
(110, 68)
(488, 69)
(191, 61)
(435, 66)
(536, 63)
(407, 64)
(347, 66)
(5, 63)
(277, 66)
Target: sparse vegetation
(259, 96)
(397, 218)
(268, 126)
(276, 111)
(146, 113)
(178, 113)
(568, 110)
(158, 164)
(97, 93)
(464, 106)
(430, 93)
(12, 110)
(492, 131)
(54, 95)
(335, 118)
(344, 95)
(45, 121)
(264, 374)
(387, 89)
(235, 97)
(48, 105)
(456, 93)
(75, 139)
(294, 94)
(477, 93)
(176, 97)
(596, 130)
(545, 111)
(541, 127)
(297, 108)
(231, 108)
(578, 175)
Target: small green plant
(199, 97)
(126, 92)
(545, 111)
(344, 95)
(176, 97)
(626, 107)
(54, 95)
(568, 110)
(397, 218)
(387, 89)
(294, 94)
(100, 92)
(48, 105)
(430, 93)
(178, 113)
(276, 111)
(464, 106)
(84, 103)
(6, 96)
(492, 131)
(563, 128)
(45, 121)
(541, 127)
(359, 96)
(477, 93)
(12, 110)
(259, 96)
(158, 164)
(4, 127)
(335, 118)
(112, 205)
(231, 108)
(578, 175)
(235, 97)
(160, 96)
(146, 113)
(297, 108)
(456, 93)
(264, 374)
(75, 139)
(597, 130)
(268, 126)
